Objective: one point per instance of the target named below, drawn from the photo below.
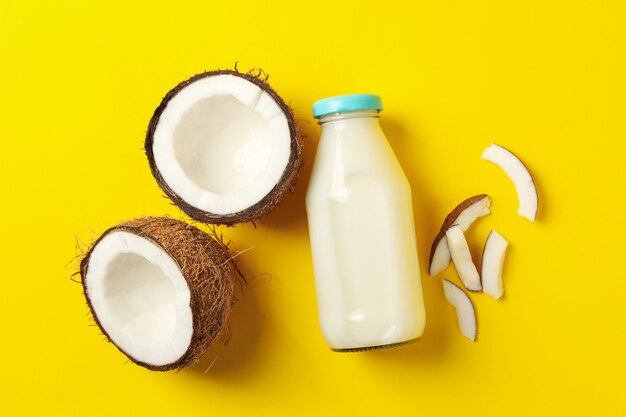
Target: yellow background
(79, 81)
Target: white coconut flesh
(462, 258)
(519, 175)
(464, 309)
(222, 143)
(493, 259)
(140, 298)
(441, 258)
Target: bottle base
(377, 347)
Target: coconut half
(493, 259)
(224, 147)
(463, 215)
(464, 309)
(519, 174)
(160, 290)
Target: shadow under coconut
(237, 350)
(290, 215)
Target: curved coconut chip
(493, 260)
(465, 312)
(517, 172)
(462, 258)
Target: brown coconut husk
(209, 269)
(283, 187)
(449, 221)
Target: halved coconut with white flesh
(160, 290)
(519, 174)
(463, 215)
(224, 147)
(493, 259)
(464, 309)
(462, 258)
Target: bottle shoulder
(368, 155)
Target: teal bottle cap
(351, 102)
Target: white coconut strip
(519, 174)
(464, 309)
(493, 259)
(462, 258)
(441, 258)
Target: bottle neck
(358, 114)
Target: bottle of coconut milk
(362, 234)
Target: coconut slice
(462, 258)
(464, 309)
(224, 147)
(463, 215)
(519, 174)
(493, 259)
(160, 290)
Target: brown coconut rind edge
(283, 187)
(206, 265)
(449, 221)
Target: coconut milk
(362, 235)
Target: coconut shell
(207, 266)
(283, 187)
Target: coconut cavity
(160, 290)
(224, 147)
